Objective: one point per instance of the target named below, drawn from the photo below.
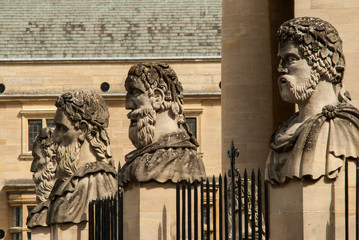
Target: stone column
(246, 81)
(149, 211)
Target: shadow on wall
(330, 234)
(162, 227)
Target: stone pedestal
(149, 211)
(312, 210)
(69, 231)
(40, 233)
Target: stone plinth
(149, 211)
(40, 233)
(69, 231)
(312, 210)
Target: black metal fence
(346, 196)
(229, 207)
(205, 209)
(218, 209)
(106, 218)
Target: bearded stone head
(318, 43)
(153, 89)
(44, 164)
(81, 116)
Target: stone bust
(166, 149)
(314, 141)
(43, 167)
(85, 169)
(44, 164)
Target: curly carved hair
(88, 106)
(320, 44)
(45, 141)
(161, 75)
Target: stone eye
(291, 59)
(136, 92)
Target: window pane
(29, 209)
(17, 236)
(35, 126)
(17, 216)
(50, 123)
(192, 123)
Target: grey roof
(94, 29)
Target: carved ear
(84, 128)
(157, 99)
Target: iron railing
(220, 209)
(346, 197)
(106, 218)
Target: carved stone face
(68, 151)
(137, 95)
(295, 74)
(142, 115)
(39, 161)
(65, 132)
(44, 171)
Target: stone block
(149, 211)
(69, 231)
(311, 210)
(326, 4)
(40, 233)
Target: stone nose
(56, 137)
(129, 103)
(281, 68)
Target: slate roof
(94, 29)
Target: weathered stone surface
(44, 164)
(44, 167)
(85, 167)
(166, 149)
(149, 211)
(314, 141)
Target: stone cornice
(107, 96)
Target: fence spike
(225, 207)
(239, 183)
(245, 191)
(214, 204)
(183, 210)
(253, 204)
(189, 209)
(259, 189)
(220, 200)
(208, 211)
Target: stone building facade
(50, 47)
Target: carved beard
(142, 128)
(44, 180)
(67, 160)
(304, 91)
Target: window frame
(24, 196)
(197, 114)
(26, 115)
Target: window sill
(26, 157)
(18, 229)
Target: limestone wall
(32, 89)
